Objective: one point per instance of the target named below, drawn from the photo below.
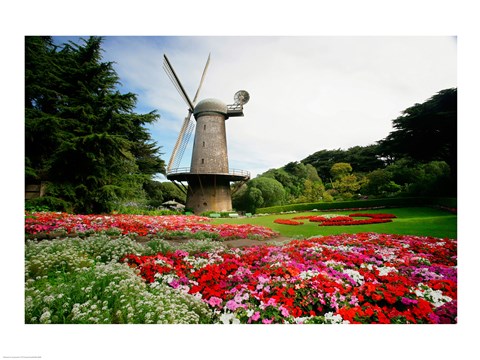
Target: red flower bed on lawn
(359, 278)
(373, 216)
(348, 220)
(287, 222)
(335, 219)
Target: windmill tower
(209, 175)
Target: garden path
(238, 243)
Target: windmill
(209, 176)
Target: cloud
(307, 93)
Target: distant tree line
(418, 158)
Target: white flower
(355, 275)
(45, 318)
(433, 296)
(368, 266)
(225, 318)
(308, 274)
(385, 270)
(334, 319)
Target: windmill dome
(210, 105)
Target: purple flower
(407, 301)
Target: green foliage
(47, 203)
(141, 209)
(339, 170)
(172, 192)
(378, 182)
(292, 177)
(271, 190)
(426, 132)
(429, 179)
(361, 158)
(261, 191)
(81, 133)
(312, 191)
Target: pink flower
(284, 311)
(214, 301)
(232, 305)
(266, 321)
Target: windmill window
(203, 161)
(204, 127)
(204, 144)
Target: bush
(47, 203)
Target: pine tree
(82, 135)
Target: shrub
(47, 203)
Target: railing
(186, 170)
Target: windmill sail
(188, 125)
(181, 143)
(178, 85)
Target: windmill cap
(210, 105)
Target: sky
(307, 93)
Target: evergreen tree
(82, 135)
(426, 132)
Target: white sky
(307, 93)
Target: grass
(421, 221)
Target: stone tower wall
(209, 154)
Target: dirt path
(239, 243)
(248, 242)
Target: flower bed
(361, 278)
(373, 216)
(287, 222)
(341, 220)
(142, 225)
(332, 219)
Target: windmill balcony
(183, 174)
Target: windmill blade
(201, 80)
(173, 76)
(181, 143)
(180, 137)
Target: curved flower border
(287, 222)
(340, 220)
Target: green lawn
(410, 221)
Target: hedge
(369, 203)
